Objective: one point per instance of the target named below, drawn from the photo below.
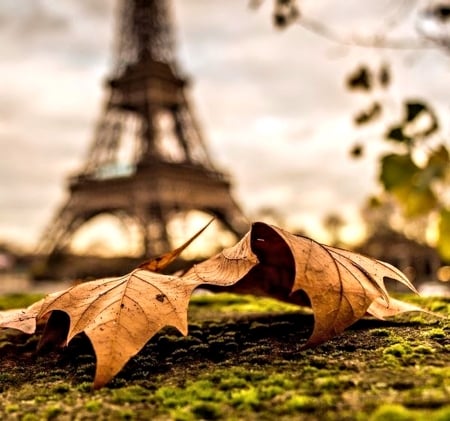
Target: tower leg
(153, 224)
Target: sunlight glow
(108, 235)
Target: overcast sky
(272, 104)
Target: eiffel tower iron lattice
(165, 167)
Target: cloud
(63, 31)
(97, 9)
(31, 19)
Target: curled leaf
(339, 285)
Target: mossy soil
(241, 360)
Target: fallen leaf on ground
(339, 285)
(119, 315)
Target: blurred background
(331, 118)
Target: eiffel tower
(169, 169)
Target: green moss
(420, 319)
(442, 415)
(124, 414)
(10, 301)
(93, 406)
(84, 387)
(381, 332)
(269, 392)
(61, 388)
(280, 380)
(203, 389)
(240, 364)
(300, 403)
(14, 407)
(439, 306)
(181, 415)
(193, 391)
(423, 350)
(246, 399)
(426, 397)
(440, 373)
(327, 382)
(436, 333)
(130, 394)
(53, 411)
(398, 353)
(392, 413)
(30, 417)
(228, 303)
(232, 382)
(206, 410)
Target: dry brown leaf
(119, 315)
(339, 285)
(23, 319)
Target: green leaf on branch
(397, 171)
(415, 201)
(439, 162)
(443, 244)
(408, 183)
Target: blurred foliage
(443, 243)
(360, 79)
(369, 115)
(284, 13)
(416, 173)
(364, 78)
(357, 150)
(406, 131)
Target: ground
(241, 360)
